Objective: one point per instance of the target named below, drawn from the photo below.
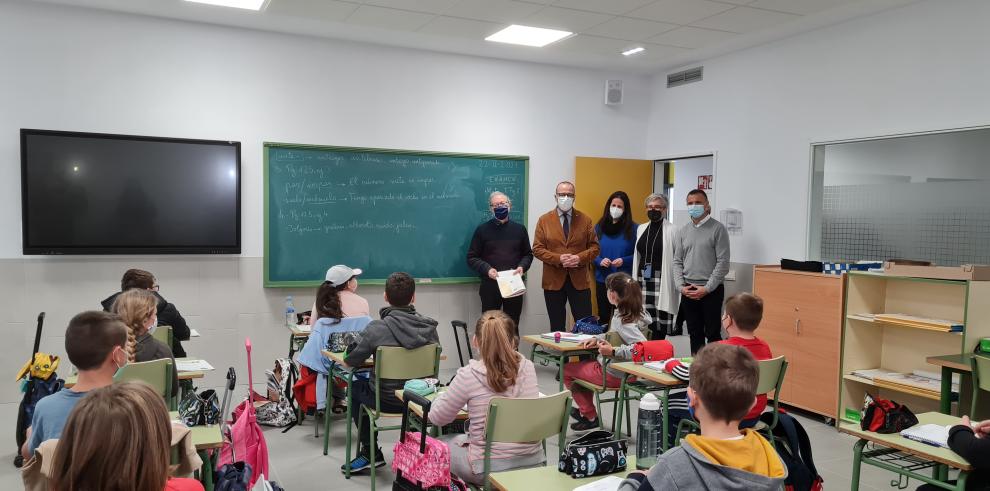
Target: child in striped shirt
(501, 372)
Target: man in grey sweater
(701, 261)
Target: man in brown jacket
(566, 243)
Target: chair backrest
(163, 334)
(771, 374)
(527, 420)
(613, 338)
(981, 379)
(156, 373)
(392, 362)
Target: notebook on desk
(929, 434)
(567, 336)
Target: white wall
(920, 67)
(85, 70)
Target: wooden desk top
(71, 380)
(204, 437)
(928, 452)
(299, 333)
(549, 478)
(957, 362)
(418, 410)
(338, 358)
(563, 346)
(648, 374)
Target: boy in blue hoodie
(722, 390)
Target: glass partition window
(923, 197)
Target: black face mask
(654, 215)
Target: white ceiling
(674, 32)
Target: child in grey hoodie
(400, 325)
(722, 389)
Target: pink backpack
(245, 441)
(420, 461)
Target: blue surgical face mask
(501, 212)
(696, 211)
(690, 407)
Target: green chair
(394, 363)
(981, 379)
(163, 334)
(525, 420)
(771, 379)
(614, 339)
(156, 373)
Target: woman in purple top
(617, 237)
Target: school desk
(548, 478)
(906, 457)
(553, 352)
(417, 410)
(961, 364)
(205, 438)
(664, 383)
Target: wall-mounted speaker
(613, 92)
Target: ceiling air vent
(685, 77)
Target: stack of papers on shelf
(934, 435)
(940, 325)
(510, 284)
(910, 383)
(567, 336)
(192, 366)
(871, 373)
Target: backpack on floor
(794, 448)
(278, 411)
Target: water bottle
(648, 432)
(290, 312)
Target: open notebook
(930, 434)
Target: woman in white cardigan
(653, 265)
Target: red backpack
(658, 350)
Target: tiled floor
(298, 463)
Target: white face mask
(616, 212)
(565, 203)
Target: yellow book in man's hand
(510, 284)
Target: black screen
(88, 193)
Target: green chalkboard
(379, 210)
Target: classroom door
(597, 178)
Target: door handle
(797, 326)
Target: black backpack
(794, 449)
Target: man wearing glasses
(499, 244)
(566, 243)
(168, 315)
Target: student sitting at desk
(628, 320)
(118, 438)
(95, 343)
(971, 440)
(722, 391)
(743, 313)
(168, 315)
(344, 280)
(400, 325)
(138, 309)
(502, 372)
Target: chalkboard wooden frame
(268, 283)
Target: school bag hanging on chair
(39, 380)
(246, 441)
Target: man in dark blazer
(565, 241)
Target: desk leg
(350, 403)
(665, 418)
(945, 399)
(622, 398)
(560, 369)
(206, 472)
(857, 463)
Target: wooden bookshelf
(869, 343)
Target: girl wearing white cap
(343, 279)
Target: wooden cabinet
(802, 320)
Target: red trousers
(591, 371)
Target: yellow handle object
(43, 366)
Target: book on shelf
(930, 434)
(510, 284)
(940, 325)
(929, 383)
